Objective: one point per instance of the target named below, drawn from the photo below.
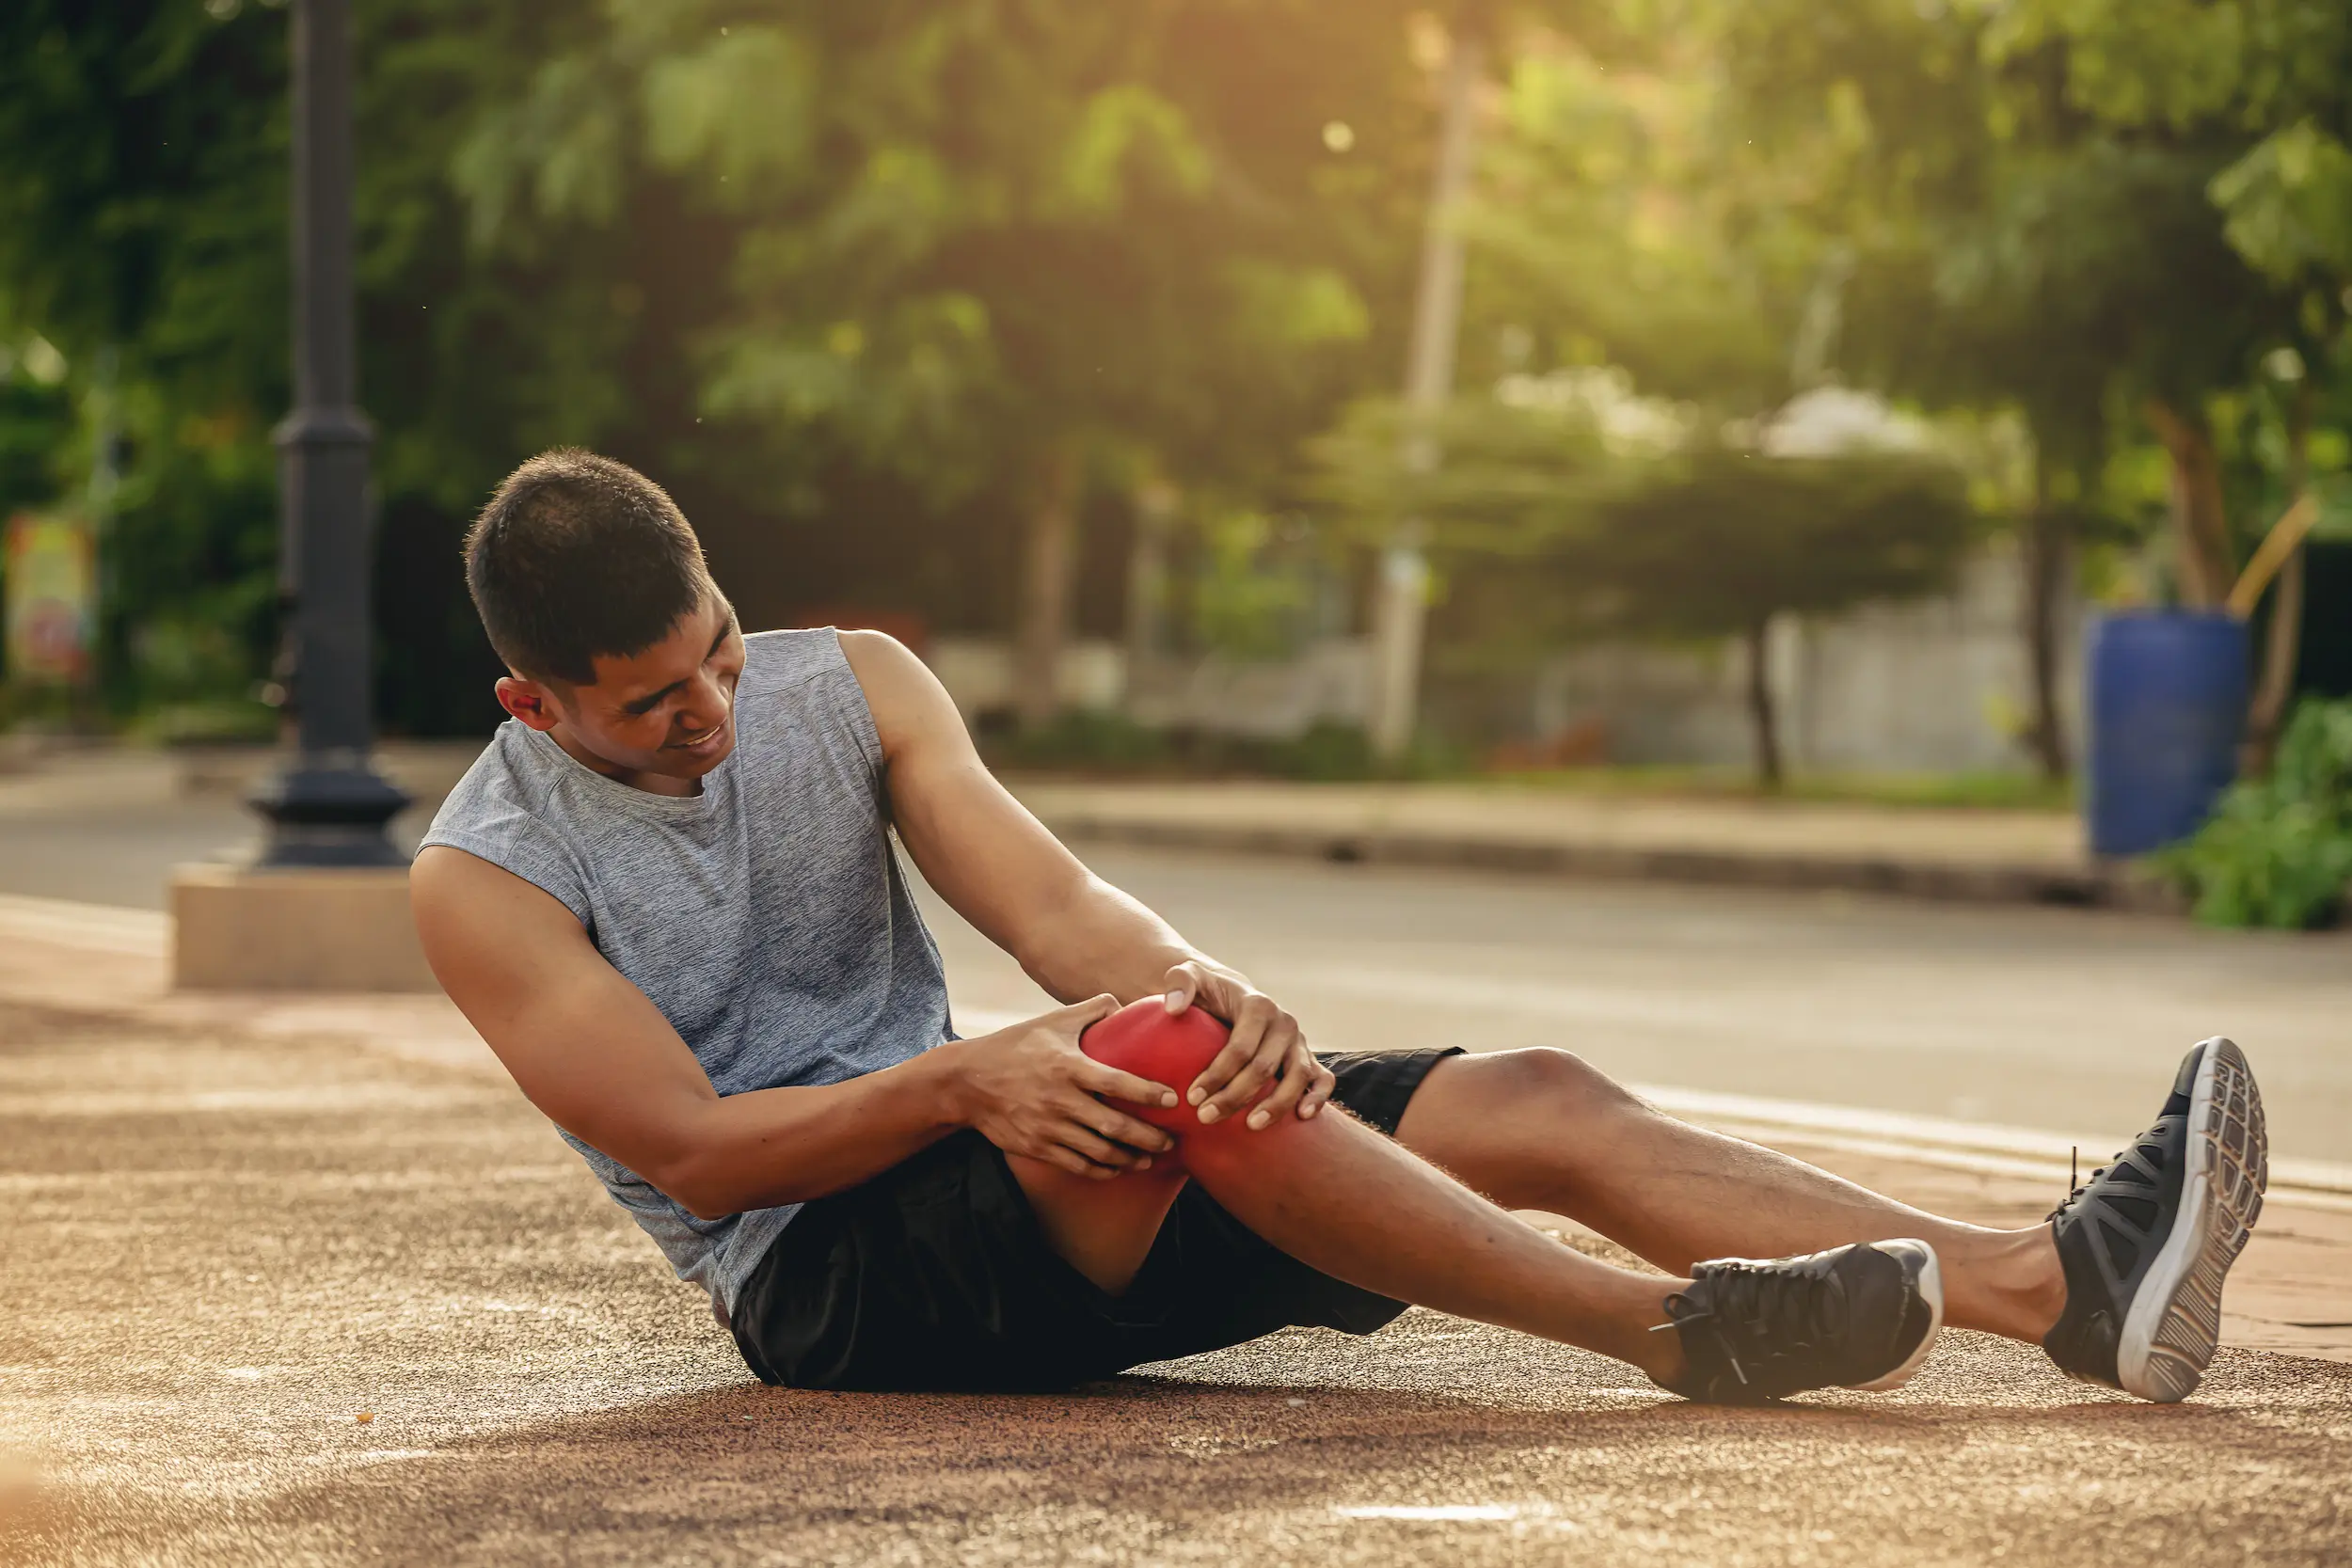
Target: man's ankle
(1657, 1347)
(2015, 1286)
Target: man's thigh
(1103, 1229)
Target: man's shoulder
(507, 778)
(500, 813)
(811, 675)
(781, 659)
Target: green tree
(2267, 85)
(137, 215)
(1724, 540)
(1620, 223)
(1617, 223)
(1002, 247)
(2069, 180)
(2015, 248)
(143, 212)
(1631, 518)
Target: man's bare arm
(588, 1049)
(1072, 932)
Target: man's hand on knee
(1266, 1057)
(1030, 1091)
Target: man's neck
(652, 783)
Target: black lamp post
(326, 806)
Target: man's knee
(1560, 1081)
(1171, 1051)
(1174, 1051)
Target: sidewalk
(308, 1281)
(2012, 856)
(106, 775)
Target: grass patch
(1108, 746)
(221, 722)
(1980, 791)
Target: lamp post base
(329, 813)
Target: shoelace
(2076, 1187)
(1774, 1310)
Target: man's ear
(529, 701)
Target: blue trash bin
(2168, 706)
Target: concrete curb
(2090, 886)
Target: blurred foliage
(35, 425)
(2278, 850)
(1696, 536)
(2029, 191)
(1618, 223)
(2042, 211)
(142, 211)
(1256, 586)
(1721, 539)
(1625, 517)
(962, 239)
(851, 280)
(820, 268)
(216, 722)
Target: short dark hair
(574, 556)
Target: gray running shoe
(2147, 1239)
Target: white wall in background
(1329, 680)
(977, 673)
(1933, 686)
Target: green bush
(2278, 851)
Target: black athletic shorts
(935, 1275)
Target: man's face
(665, 713)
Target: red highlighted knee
(1143, 1040)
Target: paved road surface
(2051, 1019)
(108, 829)
(284, 1301)
(226, 1247)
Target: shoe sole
(1928, 1281)
(2174, 1323)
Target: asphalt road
(279, 1299)
(2052, 1019)
(2061, 1020)
(116, 846)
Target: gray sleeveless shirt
(767, 917)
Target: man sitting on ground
(667, 897)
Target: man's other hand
(1029, 1090)
(1267, 1048)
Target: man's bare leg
(1542, 1129)
(1344, 1199)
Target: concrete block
(245, 928)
